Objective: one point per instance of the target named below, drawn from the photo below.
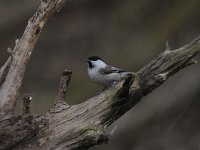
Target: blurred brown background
(126, 34)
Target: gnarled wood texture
(13, 73)
(80, 126)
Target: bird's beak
(87, 60)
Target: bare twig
(60, 104)
(11, 80)
(10, 51)
(26, 104)
(64, 82)
(167, 45)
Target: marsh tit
(104, 74)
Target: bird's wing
(109, 69)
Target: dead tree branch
(80, 126)
(60, 103)
(64, 82)
(26, 104)
(11, 77)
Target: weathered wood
(64, 82)
(11, 83)
(26, 104)
(4, 70)
(60, 103)
(80, 126)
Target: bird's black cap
(94, 58)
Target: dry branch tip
(161, 77)
(193, 61)
(26, 103)
(16, 41)
(11, 52)
(63, 85)
(167, 46)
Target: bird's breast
(105, 79)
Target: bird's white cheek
(92, 73)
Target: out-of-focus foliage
(127, 34)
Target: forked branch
(11, 74)
(80, 126)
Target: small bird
(104, 74)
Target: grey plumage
(109, 69)
(104, 74)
